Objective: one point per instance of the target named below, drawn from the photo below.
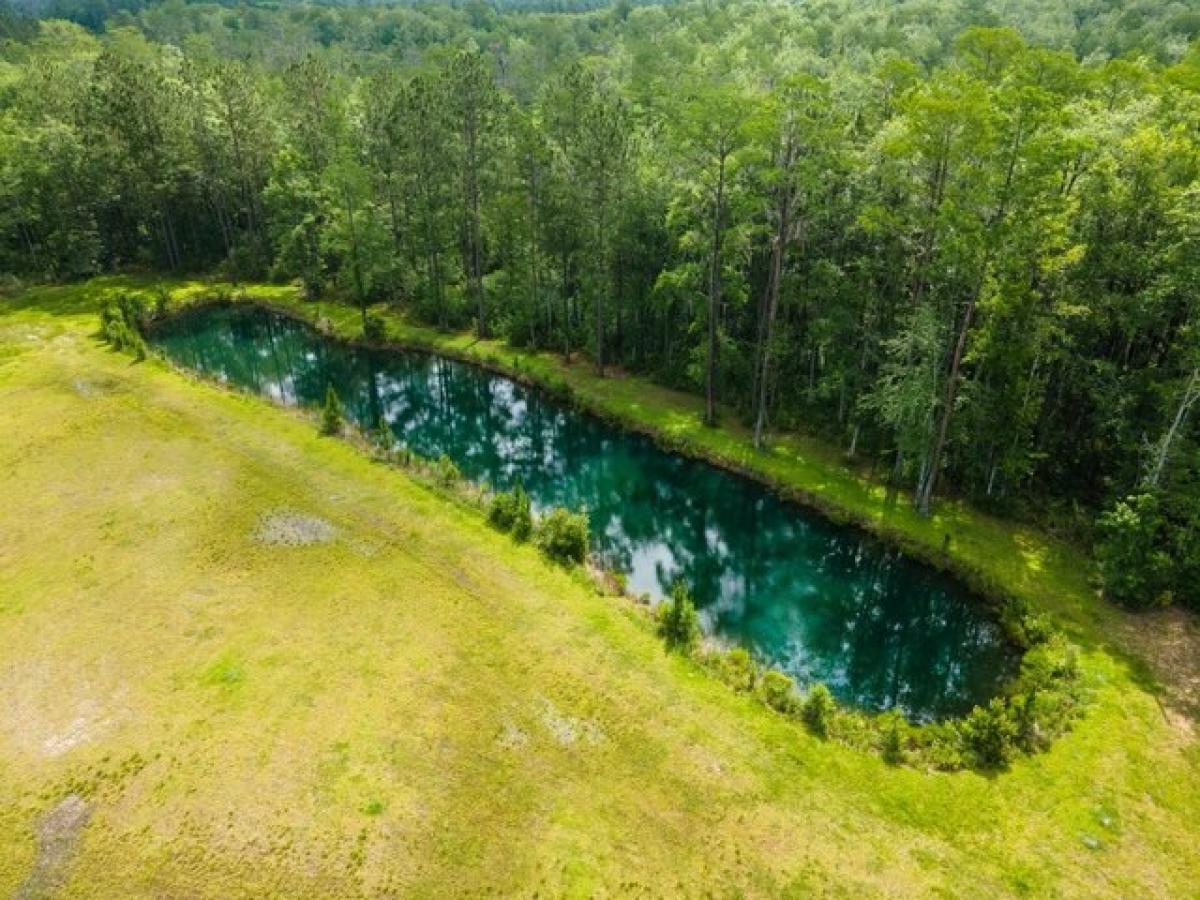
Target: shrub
(819, 708)
(738, 669)
(1134, 567)
(383, 438)
(678, 624)
(990, 734)
(446, 472)
(121, 321)
(893, 731)
(162, 300)
(563, 535)
(374, 328)
(510, 511)
(522, 527)
(1046, 694)
(778, 691)
(941, 745)
(133, 309)
(332, 415)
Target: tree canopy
(961, 239)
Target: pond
(822, 602)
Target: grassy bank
(266, 664)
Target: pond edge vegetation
(1039, 704)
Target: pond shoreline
(1040, 699)
(1007, 607)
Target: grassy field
(240, 659)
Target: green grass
(420, 706)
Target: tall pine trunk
(769, 312)
(714, 298)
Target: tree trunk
(1190, 395)
(772, 305)
(354, 258)
(474, 251)
(929, 482)
(598, 285)
(714, 299)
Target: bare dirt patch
(569, 730)
(293, 529)
(1169, 641)
(58, 834)
(512, 737)
(79, 730)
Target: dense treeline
(969, 254)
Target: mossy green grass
(401, 700)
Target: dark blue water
(819, 601)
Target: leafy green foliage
(1133, 566)
(445, 472)
(990, 734)
(121, 323)
(819, 708)
(738, 669)
(678, 622)
(964, 252)
(563, 535)
(778, 691)
(510, 511)
(384, 438)
(333, 417)
(374, 328)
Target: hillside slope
(239, 658)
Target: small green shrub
(333, 417)
(1134, 563)
(1038, 629)
(819, 709)
(383, 438)
(563, 535)
(162, 300)
(1047, 694)
(893, 737)
(990, 734)
(738, 669)
(678, 624)
(940, 745)
(121, 321)
(374, 328)
(446, 472)
(510, 511)
(778, 691)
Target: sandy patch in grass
(568, 730)
(1169, 640)
(293, 529)
(512, 737)
(49, 713)
(78, 731)
(58, 834)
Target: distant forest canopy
(97, 14)
(959, 239)
(921, 29)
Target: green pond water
(822, 602)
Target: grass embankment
(410, 702)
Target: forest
(959, 239)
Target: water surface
(820, 601)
